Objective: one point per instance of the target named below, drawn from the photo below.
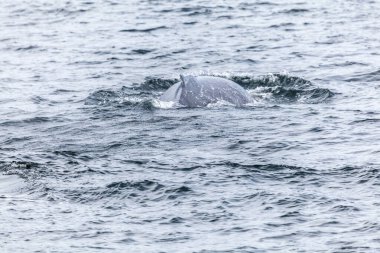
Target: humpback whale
(199, 91)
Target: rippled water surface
(91, 161)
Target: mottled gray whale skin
(199, 91)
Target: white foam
(164, 104)
(10, 184)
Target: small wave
(134, 30)
(365, 121)
(265, 3)
(11, 140)
(145, 185)
(139, 191)
(291, 174)
(142, 51)
(101, 97)
(203, 12)
(27, 48)
(366, 77)
(66, 11)
(190, 23)
(295, 11)
(38, 100)
(124, 98)
(249, 5)
(195, 10)
(33, 120)
(282, 25)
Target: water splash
(271, 88)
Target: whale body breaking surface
(200, 91)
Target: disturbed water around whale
(91, 161)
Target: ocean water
(91, 161)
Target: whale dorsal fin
(187, 79)
(183, 78)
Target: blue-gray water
(90, 162)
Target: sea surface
(91, 161)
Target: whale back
(194, 93)
(199, 91)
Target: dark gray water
(90, 161)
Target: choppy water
(90, 162)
